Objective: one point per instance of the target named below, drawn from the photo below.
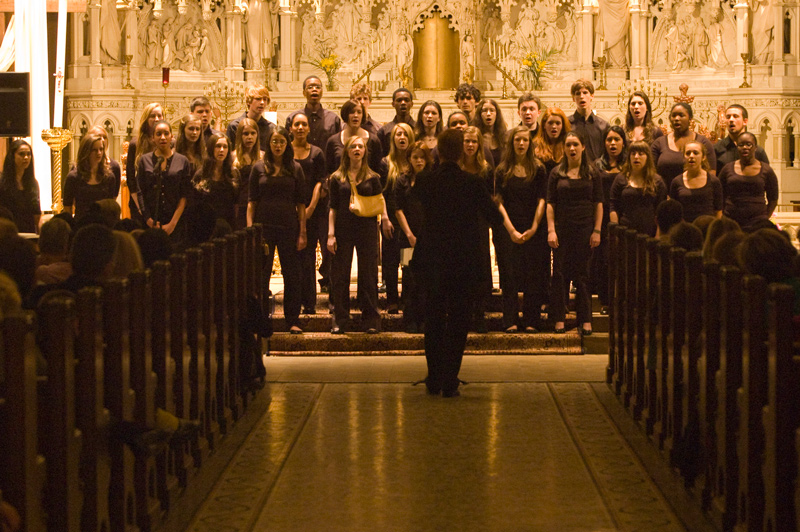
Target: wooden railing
(174, 338)
(703, 359)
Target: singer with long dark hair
(19, 190)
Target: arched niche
(436, 51)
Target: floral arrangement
(537, 64)
(328, 62)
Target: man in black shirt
(588, 125)
(257, 99)
(362, 93)
(736, 115)
(467, 98)
(529, 106)
(322, 123)
(202, 108)
(402, 101)
(446, 258)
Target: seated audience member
(668, 213)
(7, 228)
(67, 217)
(18, 260)
(726, 249)
(110, 210)
(154, 245)
(770, 254)
(716, 230)
(686, 236)
(129, 225)
(52, 265)
(6, 213)
(127, 258)
(702, 222)
(10, 300)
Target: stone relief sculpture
(261, 19)
(613, 24)
(110, 36)
(762, 31)
(153, 37)
(168, 44)
(467, 59)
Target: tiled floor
(348, 445)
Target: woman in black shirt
(549, 139)
(521, 183)
(312, 161)
(639, 119)
(138, 146)
(637, 191)
(699, 191)
(191, 143)
(668, 150)
(247, 153)
(215, 183)
(163, 182)
(91, 179)
(353, 114)
(574, 218)
(489, 119)
(276, 201)
(19, 190)
(348, 232)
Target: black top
(345, 220)
(264, 128)
(277, 197)
(634, 208)
(161, 191)
(452, 201)
(726, 152)
(221, 195)
(574, 200)
(669, 163)
(322, 124)
(607, 179)
(410, 204)
(521, 197)
(744, 195)
(82, 195)
(23, 204)
(697, 201)
(314, 171)
(385, 132)
(335, 147)
(243, 193)
(591, 130)
(371, 125)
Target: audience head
(18, 260)
(726, 250)
(127, 258)
(154, 245)
(702, 222)
(10, 299)
(110, 211)
(92, 251)
(200, 222)
(8, 228)
(764, 223)
(767, 253)
(668, 214)
(687, 236)
(451, 145)
(129, 225)
(715, 231)
(528, 107)
(54, 238)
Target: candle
(58, 111)
(165, 75)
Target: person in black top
(91, 179)
(322, 122)
(19, 190)
(257, 100)
(746, 182)
(201, 107)
(348, 231)
(215, 183)
(352, 114)
(489, 119)
(637, 191)
(528, 107)
(467, 98)
(574, 218)
(608, 166)
(725, 148)
(639, 119)
(137, 147)
(276, 201)
(445, 259)
(163, 182)
(247, 151)
(190, 142)
(312, 161)
(411, 220)
(549, 140)
(362, 93)
(429, 123)
(402, 101)
(116, 170)
(698, 190)
(588, 125)
(668, 150)
(522, 183)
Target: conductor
(446, 259)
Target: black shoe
(451, 393)
(372, 330)
(309, 310)
(337, 330)
(585, 332)
(560, 330)
(295, 330)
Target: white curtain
(7, 48)
(31, 56)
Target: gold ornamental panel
(436, 55)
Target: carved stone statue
(153, 45)
(467, 59)
(110, 36)
(167, 43)
(261, 17)
(191, 51)
(614, 21)
(206, 64)
(700, 42)
(762, 32)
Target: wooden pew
(781, 415)
(233, 285)
(663, 335)
(642, 312)
(631, 274)
(188, 270)
(707, 372)
(613, 279)
(620, 320)
(677, 335)
(651, 402)
(201, 277)
(91, 416)
(728, 381)
(21, 466)
(225, 416)
(690, 355)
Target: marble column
(586, 40)
(288, 70)
(233, 43)
(742, 11)
(132, 34)
(638, 40)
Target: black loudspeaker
(15, 108)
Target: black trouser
(413, 299)
(364, 240)
(390, 264)
(286, 243)
(571, 263)
(448, 303)
(527, 271)
(599, 267)
(325, 264)
(308, 261)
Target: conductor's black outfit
(446, 261)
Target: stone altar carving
(261, 19)
(613, 22)
(110, 36)
(762, 31)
